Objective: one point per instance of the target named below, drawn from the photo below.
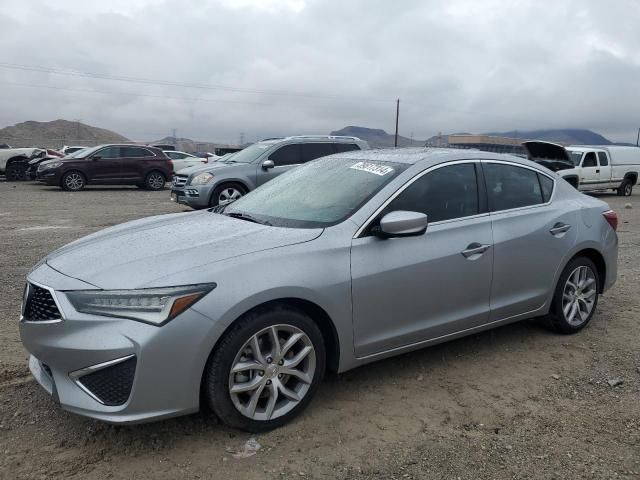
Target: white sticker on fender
(372, 168)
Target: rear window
(311, 151)
(546, 185)
(345, 147)
(604, 160)
(136, 152)
(510, 187)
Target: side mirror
(401, 223)
(96, 157)
(267, 164)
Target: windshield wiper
(247, 217)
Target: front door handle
(597, 171)
(559, 229)
(474, 250)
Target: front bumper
(49, 177)
(64, 351)
(193, 196)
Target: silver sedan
(346, 260)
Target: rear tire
(626, 188)
(73, 181)
(155, 180)
(16, 172)
(277, 397)
(576, 296)
(226, 193)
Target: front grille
(40, 305)
(111, 385)
(180, 180)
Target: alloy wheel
(229, 195)
(628, 188)
(579, 295)
(272, 372)
(155, 181)
(74, 181)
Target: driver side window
(590, 160)
(443, 194)
(286, 155)
(108, 152)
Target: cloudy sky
(213, 69)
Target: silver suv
(227, 180)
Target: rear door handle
(597, 171)
(475, 250)
(559, 228)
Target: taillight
(612, 218)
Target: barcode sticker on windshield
(372, 168)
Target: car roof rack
(324, 137)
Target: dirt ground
(516, 402)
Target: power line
(146, 81)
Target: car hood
(207, 167)
(135, 254)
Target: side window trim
(149, 152)
(361, 232)
(539, 172)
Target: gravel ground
(516, 402)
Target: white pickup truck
(590, 167)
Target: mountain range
(57, 133)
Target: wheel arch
(598, 259)
(17, 159)
(243, 183)
(319, 316)
(633, 176)
(167, 177)
(573, 181)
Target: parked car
(14, 162)
(33, 164)
(343, 261)
(68, 150)
(182, 160)
(145, 167)
(591, 167)
(208, 155)
(227, 180)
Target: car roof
(430, 156)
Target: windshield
(575, 157)
(83, 152)
(318, 194)
(250, 153)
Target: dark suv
(145, 167)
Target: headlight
(202, 179)
(152, 305)
(50, 165)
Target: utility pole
(241, 138)
(638, 139)
(397, 116)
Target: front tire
(626, 188)
(265, 369)
(154, 180)
(16, 172)
(225, 194)
(576, 296)
(73, 181)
